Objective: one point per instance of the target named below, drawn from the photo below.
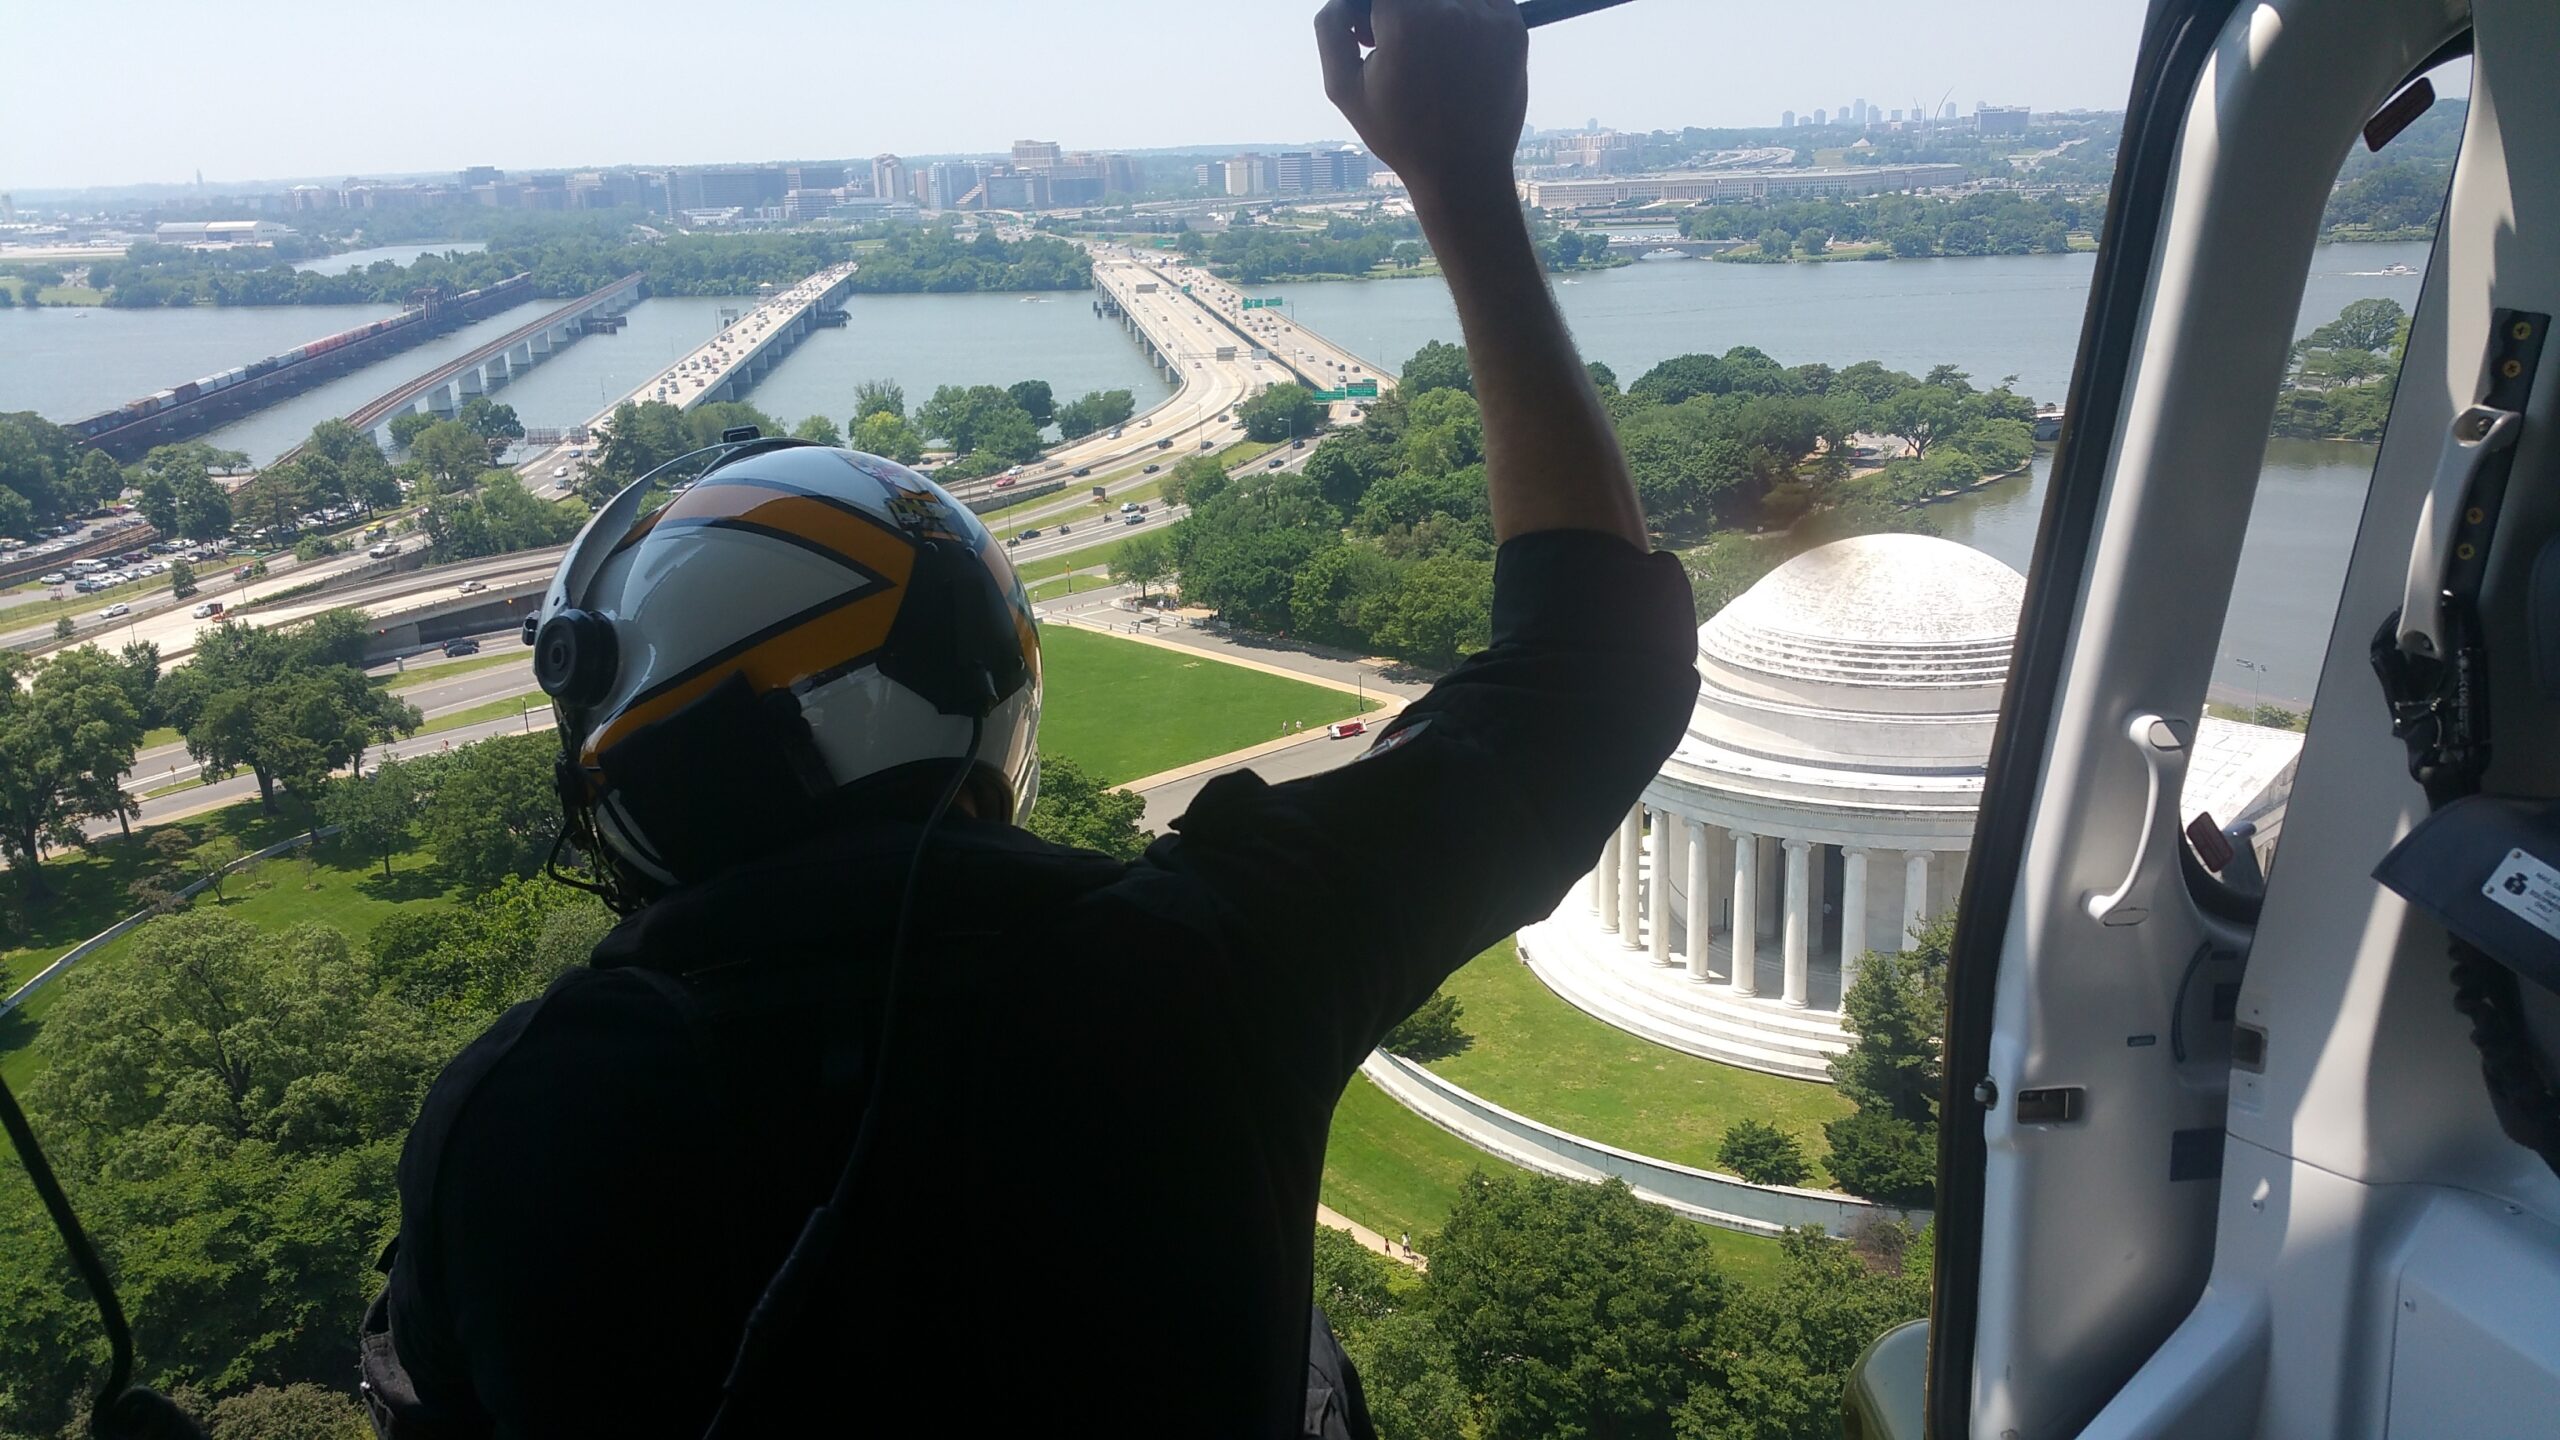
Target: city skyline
(576, 105)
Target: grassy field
(53, 294)
(1394, 1171)
(1122, 709)
(504, 707)
(1067, 585)
(1053, 566)
(1538, 1055)
(451, 670)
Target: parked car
(207, 611)
(1345, 729)
(115, 610)
(462, 647)
(56, 578)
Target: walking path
(1370, 1239)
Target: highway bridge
(445, 389)
(723, 367)
(1315, 361)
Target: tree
(182, 579)
(1776, 241)
(1142, 560)
(878, 397)
(453, 453)
(2373, 325)
(1074, 809)
(1438, 365)
(1280, 412)
(377, 814)
(1193, 477)
(1572, 1309)
(1896, 1008)
(1095, 410)
(492, 809)
(820, 429)
(1783, 1350)
(1407, 254)
(1762, 1153)
(288, 706)
(300, 1411)
(1431, 1032)
(1032, 397)
(67, 736)
(1921, 415)
(472, 960)
(1007, 434)
(494, 423)
(1728, 564)
(406, 427)
(888, 436)
(1813, 240)
(1890, 1161)
(214, 859)
(1440, 614)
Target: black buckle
(2439, 708)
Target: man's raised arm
(1441, 99)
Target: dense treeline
(237, 1172)
(1555, 1308)
(567, 264)
(47, 476)
(2342, 374)
(1384, 543)
(1349, 248)
(936, 261)
(1903, 226)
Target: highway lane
(684, 384)
(175, 630)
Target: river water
(1993, 317)
(396, 254)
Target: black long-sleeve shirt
(1090, 1203)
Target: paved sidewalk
(1370, 1239)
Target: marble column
(1604, 884)
(1771, 905)
(1746, 926)
(1853, 916)
(1915, 895)
(1677, 869)
(1799, 921)
(1702, 867)
(1658, 889)
(1631, 879)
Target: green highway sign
(1272, 303)
(1365, 389)
(1330, 396)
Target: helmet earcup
(575, 656)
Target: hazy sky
(267, 89)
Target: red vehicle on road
(1345, 729)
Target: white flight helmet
(805, 632)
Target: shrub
(1762, 1154)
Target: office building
(1786, 119)
(1036, 155)
(2001, 119)
(480, 175)
(889, 177)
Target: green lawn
(505, 706)
(1053, 566)
(1394, 1171)
(1540, 1056)
(1122, 709)
(452, 669)
(1067, 585)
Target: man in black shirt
(1098, 1101)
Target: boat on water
(2397, 269)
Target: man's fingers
(1338, 48)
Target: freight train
(505, 291)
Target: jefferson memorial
(1822, 804)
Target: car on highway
(1128, 507)
(1345, 729)
(1276, 464)
(207, 611)
(1298, 444)
(462, 647)
(1150, 470)
(472, 587)
(385, 550)
(1005, 482)
(1164, 444)
(242, 573)
(115, 610)
(1084, 470)
(559, 472)
(1031, 534)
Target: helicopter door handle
(2162, 743)
(2478, 433)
